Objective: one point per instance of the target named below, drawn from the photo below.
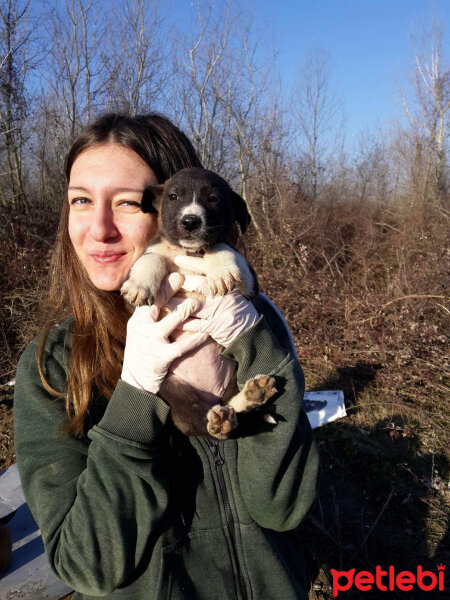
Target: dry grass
(25, 246)
(366, 296)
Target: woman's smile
(106, 257)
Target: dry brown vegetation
(352, 247)
(367, 302)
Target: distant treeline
(64, 64)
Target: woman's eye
(173, 197)
(79, 201)
(130, 203)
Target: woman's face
(107, 228)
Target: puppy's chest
(169, 251)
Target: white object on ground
(324, 407)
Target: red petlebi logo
(388, 580)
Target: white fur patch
(145, 279)
(194, 209)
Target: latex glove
(222, 317)
(148, 351)
(204, 368)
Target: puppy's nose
(191, 222)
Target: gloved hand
(222, 317)
(148, 351)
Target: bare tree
(253, 121)
(372, 168)
(72, 89)
(136, 62)
(318, 118)
(221, 99)
(15, 65)
(199, 66)
(428, 111)
(76, 79)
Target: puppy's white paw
(222, 281)
(145, 280)
(226, 270)
(138, 294)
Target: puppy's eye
(173, 197)
(213, 198)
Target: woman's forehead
(110, 163)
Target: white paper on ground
(324, 407)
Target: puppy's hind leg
(256, 392)
(221, 421)
(191, 414)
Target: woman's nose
(103, 226)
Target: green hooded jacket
(135, 510)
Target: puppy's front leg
(145, 279)
(226, 269)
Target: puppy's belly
(204, 368)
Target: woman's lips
(106, 257)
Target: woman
(128, 506)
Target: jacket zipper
(219, 462)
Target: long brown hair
(100, 317)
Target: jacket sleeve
(96, 504)
(277, 465)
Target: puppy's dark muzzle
(191, 222)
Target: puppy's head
(197, 209)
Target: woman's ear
(151, 198)
(241, 213)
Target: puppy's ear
(151, 198)
(241, 213)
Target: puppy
(198, 213)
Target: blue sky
(369, 42)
